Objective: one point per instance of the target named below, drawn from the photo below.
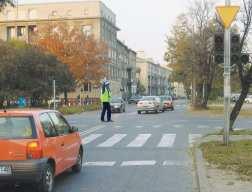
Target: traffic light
(235, 49)
(244, 58)
(219, 48)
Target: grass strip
(237, 157)
(79, 109)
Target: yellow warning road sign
(227, 14)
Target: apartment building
(153, 76)
(94, 18)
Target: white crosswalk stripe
(167, 140)
(140, 140)
(99, 164)
(193, 138)
(90, 138)
(112, 140)
(137, 163)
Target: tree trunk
(208, 88)
(65, 97)
(238, 105)
(193, 90)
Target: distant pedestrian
(105, 99)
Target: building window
(21, 30)
(87, 30)
(11, 33)
(32, 14)
(87, 87)
(69, 13)
(32, 29)
(85, 12)
(54, 13)
(10, 15)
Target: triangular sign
(227, 14)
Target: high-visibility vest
(106, 96)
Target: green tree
(29, 72)
(190, 54)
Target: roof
(25, 111)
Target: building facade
(152, 76)
(178, 90)
(93, 17)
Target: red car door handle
(62, 144)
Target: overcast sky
(143, 23)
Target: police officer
(105, 99)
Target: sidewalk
(211, 179)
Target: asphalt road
(148, 152)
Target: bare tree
(245, 71)
(4, 3)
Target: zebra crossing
(139, 163)
(165, 141)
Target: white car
(149, 104)
(248, 99)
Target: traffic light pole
(227, 87)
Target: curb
(201, 175)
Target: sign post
(227, 15)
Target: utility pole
(54, 94)
(150, 81)
(227, 87)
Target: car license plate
(5, 170)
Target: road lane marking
(92, 129)
(167, 140)
(156, 126)
(139, 141)
(99, 164)
(202, 126)
(176, 163)
(90, 138)
(112, 140)
(139, 126)
(131, 113)
(177, 125)
(193, 138)
(138, 163)
(218, 127)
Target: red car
(167, 103)
(36, 146)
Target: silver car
(149, 104)
(118, 105)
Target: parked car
(149, 104)
(248, 99)
(167, 103)
(118, 105)
(135, 99)
(162, 104)
(38, 145)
